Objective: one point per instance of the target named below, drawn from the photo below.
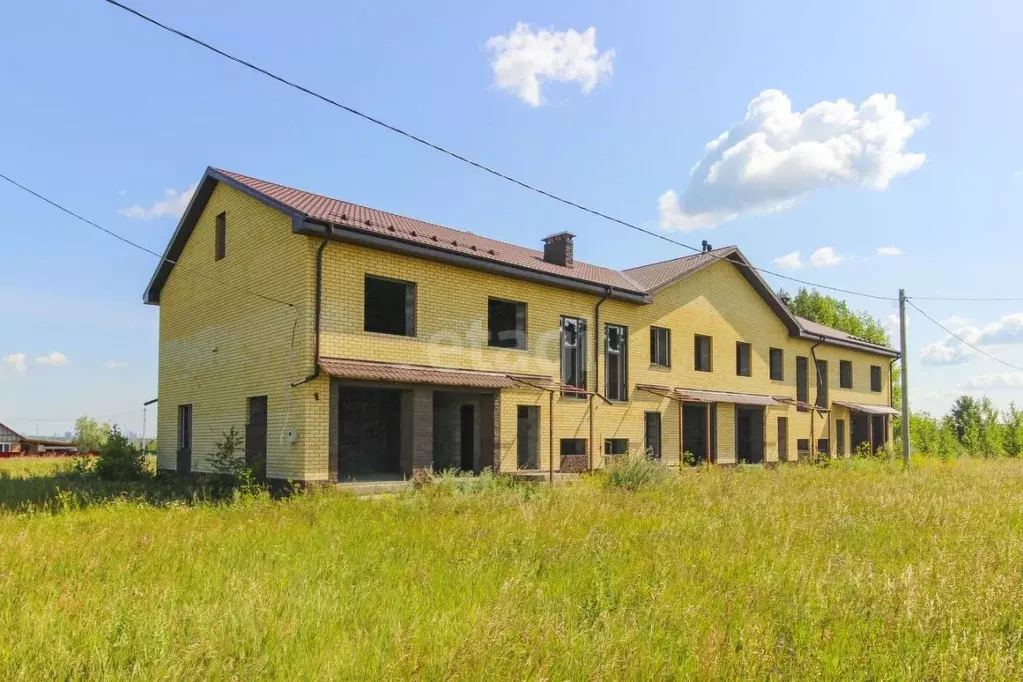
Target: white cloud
(172, 205)
(122, 192)
(891, 324)
(115, 364)
(825, 257)
(775, 157)
(1008, 330)
(523, 59)
(17, 362)
(889, 251)
(955, 322)
(54, 359)
(996, 381)
(790, 261)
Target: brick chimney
(557, 249)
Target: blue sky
(103, 113)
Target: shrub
(119, 460)
(228, 458)
(633, 473)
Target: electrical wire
(459, 157)
(964, 341)
(134, 244)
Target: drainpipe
(596, 365)
(316, 316)
(813, 356)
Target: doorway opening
(699, 430)
(369, 430)
(528, 437)
(749, 435)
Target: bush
(633, 473)
(119, 460)
(228, 458)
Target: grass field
(855, 571)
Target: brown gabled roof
(657, 275)
(833, 334)
(337, 212)
(317, 214)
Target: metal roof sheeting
(414, 374)
(865, 408)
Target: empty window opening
(743, 359)
(390, 306)
(616, 368)
(845, 374)
(702, 353)
(802, 383)
(875, 378)
(777, 364)
(660, 346)
(573, 355)
(803, 447)
(616, 446)
(220, 249)
(506, 324)
(822, 383)
(840, 437)
(652, 434)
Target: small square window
(389, 306)
(777, 364)
(506, 324)
(573, 447)
(616, 446)
(803, 445)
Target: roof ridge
(691, 255)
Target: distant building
(13, 443)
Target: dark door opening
(749, 435)
(840, 437)
(527, 436)
(880, 433)
(467, 437)
(184, 452)
(695, 436)
(369, 432)
(858, 431)
(783, 439)
(652, 436)
(255, 436)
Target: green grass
(855, 571)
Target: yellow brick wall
(219, 346)
(451, 331)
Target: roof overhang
(348, 235)
(694, 395)
(301, 224)
(865, 347)
(866, 408)
(397, 373)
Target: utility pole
(905, 376)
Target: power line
(457, 156)
(133, 244)
(968, 300)
(964, 341)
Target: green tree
(833, 312)
(119, 460)
(1013, 440)
(990, 442)
(966, 420)
(90, 435)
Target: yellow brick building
(346, 342)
